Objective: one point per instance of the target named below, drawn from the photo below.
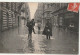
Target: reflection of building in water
(30, 46)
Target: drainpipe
(0, 18)
(43, 15)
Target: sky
(33, 7)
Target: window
(47, 5)
(48, 14)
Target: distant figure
(71, 26)
(48, 30)
(39, 27)
(64, 27)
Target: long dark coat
(48, 29)
(30, 27)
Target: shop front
(72, 21)
(67, 19)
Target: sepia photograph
(39, 28)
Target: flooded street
(16, 41)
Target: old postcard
(39, 27)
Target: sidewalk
(12, 40)
(4, 36)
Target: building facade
(9, 15)
(65, 18)
(59, 16)
(25, 13)
(39, 13)
(47, 9)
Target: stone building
(10, 14)
(64, 17)
(57, 13)
(25, 13)
(39, 13)
(59, 16)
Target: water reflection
(30, 46)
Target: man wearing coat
(30, 26)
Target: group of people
(47, 30)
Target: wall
(9, 15)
